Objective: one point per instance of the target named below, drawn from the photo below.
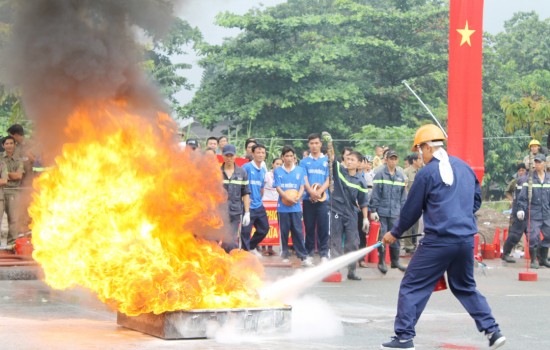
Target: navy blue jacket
(448, 210)
(236, 187)
(388, 193)
(349, 192)
(540, 200)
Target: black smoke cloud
(62, 53)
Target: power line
(391, 140)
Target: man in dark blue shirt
(446, 191)
(349, 196)
(235, 182)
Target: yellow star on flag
(466, 34)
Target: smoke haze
(66, 52)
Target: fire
(126, 214)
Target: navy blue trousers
(432, 259)
(386, 224)
(536, 227)
(344, 237)
(516, 230)
(316, 220)
(292, 223)
(258, 219)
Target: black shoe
(397, 265)
(496, 340)
(508, 258)
(383, 268)
(354, 277)
(395, 343)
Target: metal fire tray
(194, 324)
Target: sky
(202, 13)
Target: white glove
(246, 219)
(521, 215)
(374, 217)
(366, 225)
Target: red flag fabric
(465, 129)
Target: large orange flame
(123, 213)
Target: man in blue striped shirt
(316, 210)
(258, 215)
(291, 177)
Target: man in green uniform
(15, 171)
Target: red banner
(239, 161)
(465, 126)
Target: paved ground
(346, 315)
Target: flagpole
(424, 105)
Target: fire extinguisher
(23, 244)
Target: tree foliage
(158, 60)
(309, 65)
(372, 136)
(516, 66)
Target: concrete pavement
(346, 315)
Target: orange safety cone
(333, 277)
(496, 242)
(441, 284)
(476, 246)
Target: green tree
(158, 60)
(531, 109)
(325, 65)
(515, 76)
(398, 138)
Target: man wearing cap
(235, 182)
(387, 198)
(517, 227)
(447, 193)
(538, 210)
(192, 144)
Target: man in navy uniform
(235, 182)
(539, 211)
(447, 193)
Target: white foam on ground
(313, 318)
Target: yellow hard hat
(533, 143)
(425, 133)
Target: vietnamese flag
(465, 128)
